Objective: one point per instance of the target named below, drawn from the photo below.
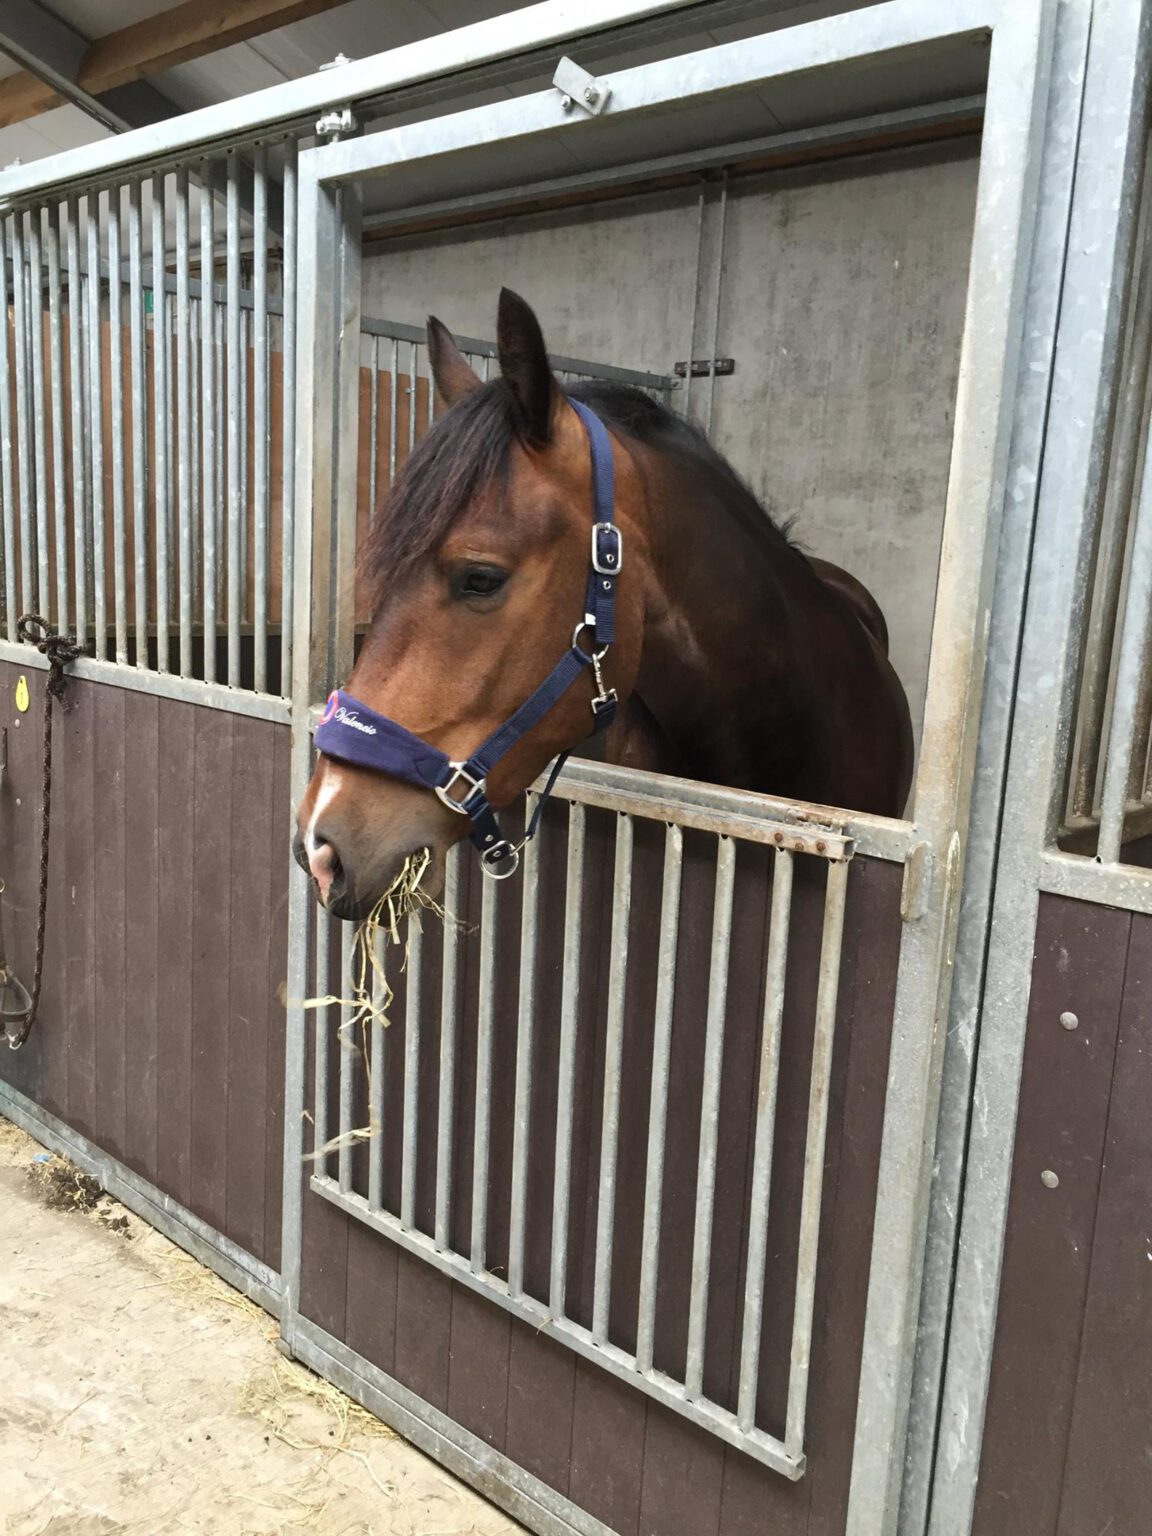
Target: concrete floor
(142, 1395)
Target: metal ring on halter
(591, 655)
(498, 854)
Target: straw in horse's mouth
(371, 994)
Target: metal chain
(34, 630)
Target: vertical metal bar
(76, 390)
(235, 503)
(139, 385)
(446, 1099)
(413, 367)
(710, 1115)
(717, 289)
(219, 431)
(160, 420)
(35, 278)
(775, 975)
(56, 375)
(116, 392)
(208, 434)
(693, 306)
(374, 425)
(186, 444)
(480, 1137)
(522, 1112)
(322, 987)
(349, 1050)
(23, 400)
(7, 478)
(288, 419)
(376, 1091)
(408, 1167)
(1131, 659)
(393, 411)
(658, 1094)
(566, 1070)
(613, 1064)
(261, 505)
(242, 362)
(827, 987)
(95, 360)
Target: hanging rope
(59, 650)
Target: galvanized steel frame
(1021, 42)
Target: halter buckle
(499, 853)
(607, 549)
(472, 784)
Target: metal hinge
(333, 125)
(580, 89)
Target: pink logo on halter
(330, 707)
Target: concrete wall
(842, 302)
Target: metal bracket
(914, 893)
(333, 125)
(702, 367)
(580, 89)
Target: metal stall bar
(376, 1082)
(94, 356)
(23, 398)
(348, 1054)
(393, 412)
(658, 1096)
(446, 1097)
(482, 1128)
(413, 366)
(139, 421)
(322, 985)
(373, 422)
(35, 282)
(525, 1023)
(116, 393)
(262, 504)
(775, 980)
(160, 422)
(613, 1066)
(235, 499)
(710, 1115)
(186, 443)
(56, 376)
(827, 988)
(569, 1018)
(288, 420)
(208, 436)
(408, 1169)
(76, 394)
(7, 481)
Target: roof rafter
(60, 57)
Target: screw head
(1049, 1179)
(1068, 1021)
(591, 95)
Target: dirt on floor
(140, 1394)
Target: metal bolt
(778, 837)
(1068, 1021)
(1049, 1179)
(821, 847)
(567, 104)
(591, 95)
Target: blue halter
(353, 733)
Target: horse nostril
(324, 863)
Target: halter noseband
(353, 733)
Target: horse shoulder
(857, 597)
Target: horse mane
(466, 454)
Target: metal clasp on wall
(580, 89)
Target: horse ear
(524, 364)
(454, 378)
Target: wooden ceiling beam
(187, 31)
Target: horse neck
(721, 670)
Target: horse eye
(481, 581)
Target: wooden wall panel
(161, 1028)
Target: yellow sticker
(22, 700)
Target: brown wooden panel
(253, 817)
(142, 954)
(109, 994)
(176, 838)
(1062, 1122)
(1108, 1473)
(423, 1328)
(74, 871)
(541, 1391)
(280, 746)
(20, 843)
(211, 950)
(682, 1480)
(370, 1289)
(608, 1420)
(478, 1366)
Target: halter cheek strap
(353, 733)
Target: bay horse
(737, 659)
